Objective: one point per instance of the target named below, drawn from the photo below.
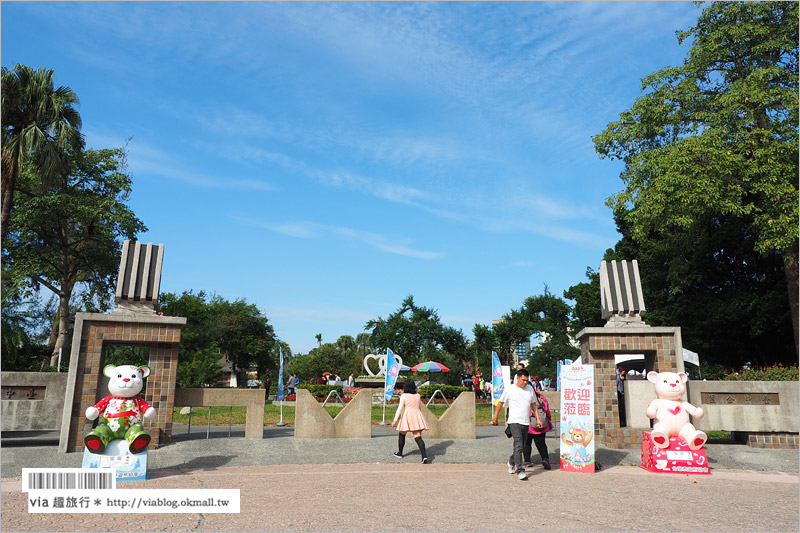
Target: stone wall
(32, 401)
(92, 331)
(767, 412)
(457, 422)
(253, 399)
(312, 421)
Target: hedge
(450, 391)
(776, 372)
(321, 390)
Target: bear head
(668, 385)
(125, 381)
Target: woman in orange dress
(412, 419)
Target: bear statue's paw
(139, 443)
(697, 440)
(94, 444)
(660, 439)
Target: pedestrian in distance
(521, 401)
(411, 419)
(267, 385)
(536, 435)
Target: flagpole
(281, 423)
(383, 418)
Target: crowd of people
(527, 413)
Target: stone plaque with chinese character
(740, 398)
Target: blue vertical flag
(280, 378)
(497, 379)
(392, 371)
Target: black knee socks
(401, 441)
(421, 445)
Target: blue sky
(325, 160)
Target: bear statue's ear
(652, 376)
(145, 370)
(108, 370)
(683, 377)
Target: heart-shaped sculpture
(381, 363)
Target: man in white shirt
(520, 400)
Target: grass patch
(222, 416)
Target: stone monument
(133, 321)
(624, 333)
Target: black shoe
(546, 465)
(398, 455)
(424, 460)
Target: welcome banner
(577, 418)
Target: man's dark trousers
(518, 432)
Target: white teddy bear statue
(121, 414)
(671, 414)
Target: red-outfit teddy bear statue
(121, 413)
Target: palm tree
(38, 121)
(318, 336)
(345, 342)
(364, 341)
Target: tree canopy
(216, 327)
(68, 230)
(418, 335)
(716, 138)
(40, 127)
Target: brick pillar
(662, 347)
(92, 330)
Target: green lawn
(222, 416)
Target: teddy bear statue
(121, 413)
(671, 414)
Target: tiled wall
(163, 341)
(783, 441)
(598, 346)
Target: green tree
(729, 300)
(21, 350)
(417, 334)
(550, 316)
(40, 122)
(217, 327)
(718, 136)
(586, 312)
(68, 231)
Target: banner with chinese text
(577, 418)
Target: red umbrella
(430, 366)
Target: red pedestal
(676, 459)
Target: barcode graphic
(68, 479)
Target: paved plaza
(290, 484)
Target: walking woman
(412, 419)
(536, 435)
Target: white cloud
(305, 230)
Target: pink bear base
(676, 458)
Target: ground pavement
(289, 484)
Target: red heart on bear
(675, 410)
(93, 444)
(659, 440)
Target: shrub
(450, 391)
(776, 372)
(321, 390)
